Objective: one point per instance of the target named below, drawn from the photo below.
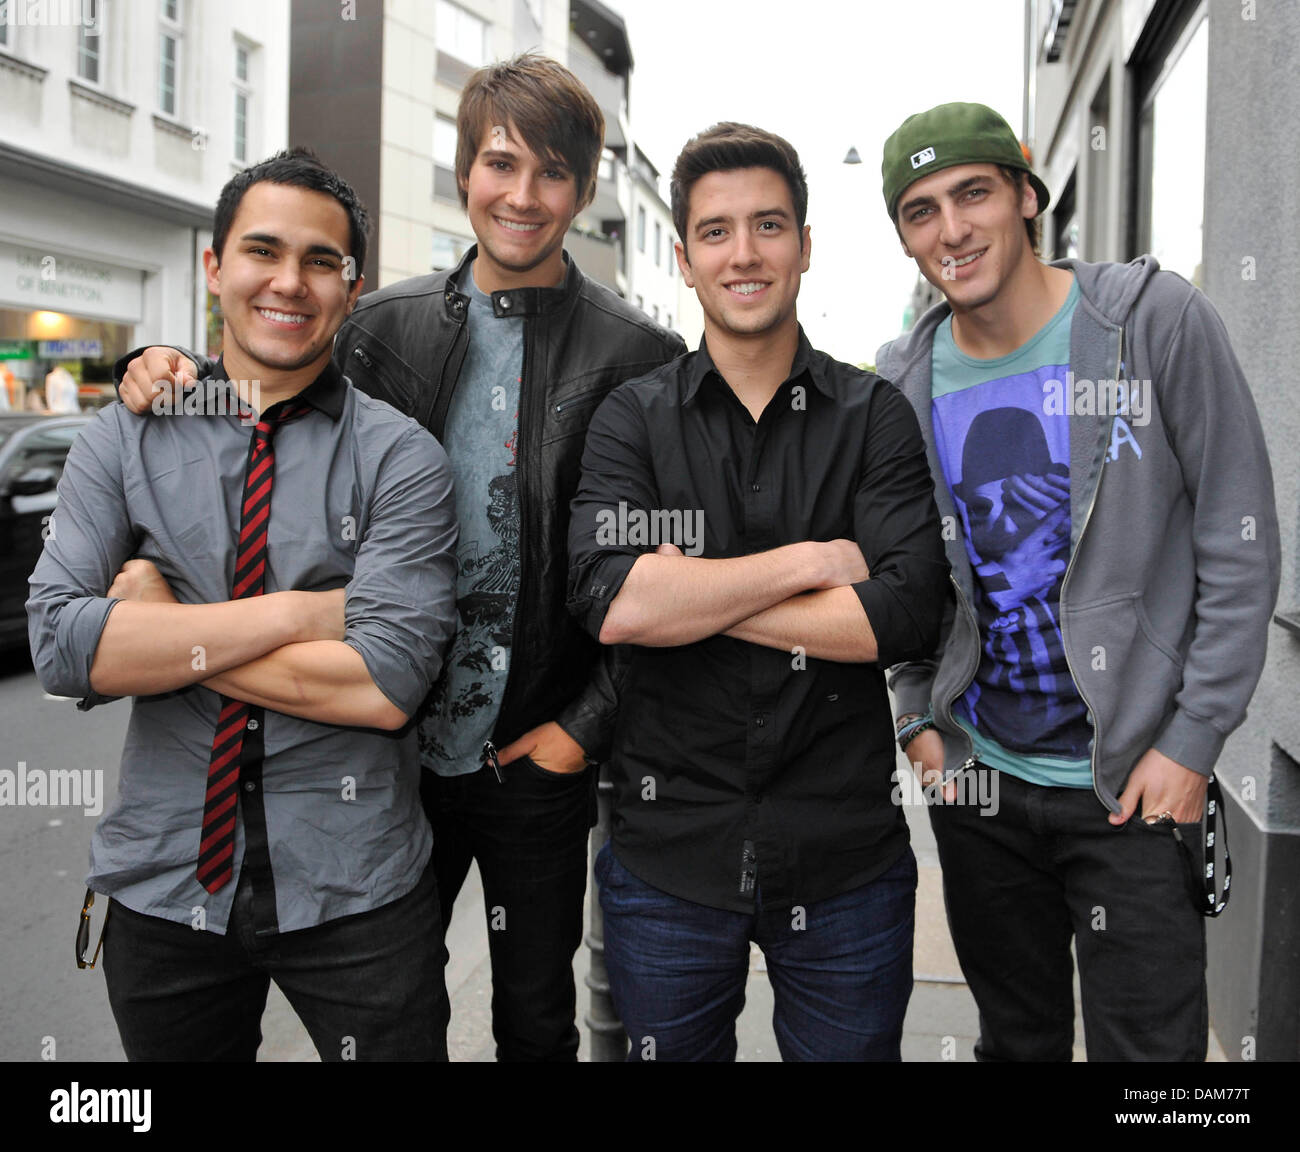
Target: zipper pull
(490, 758)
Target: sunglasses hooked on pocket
(83, 932)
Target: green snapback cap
(944, 137)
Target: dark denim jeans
(1046, 867)
(841, 969)
(367, 987)
(529, 836)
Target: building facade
(119, 124)
(1173, 127)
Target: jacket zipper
(1065, 582)
(522, 494)
(577, 402)
(442, 397)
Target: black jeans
(529, 836)
(1048, 866)
(367, 987)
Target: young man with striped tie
(275, 590)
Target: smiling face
(280, 279)
(965, 228)
(746, 252)
(520, 207)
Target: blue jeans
(841, 969)
(367, 987)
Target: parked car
(33, 448)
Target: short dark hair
(301, 168)
(548, 106)
(726, 147)
(1034, 224)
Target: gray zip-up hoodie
(1174, 552)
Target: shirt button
(250, 785)
(755, 487)
(759, 721)
(252, 725)
(505, 301)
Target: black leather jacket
(405, 344)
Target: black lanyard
(1203, 887)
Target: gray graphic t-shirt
(480, 438)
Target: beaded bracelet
(914, 728)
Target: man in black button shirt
(757, 519)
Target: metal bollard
(608, 1040)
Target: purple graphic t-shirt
(1006, 459)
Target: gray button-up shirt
(362, 498)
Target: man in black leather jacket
(515, 792)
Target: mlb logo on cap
(922, 157)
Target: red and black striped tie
(217, 842)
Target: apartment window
(1171, 154)
(169, 56)
(640, 229)
(668, 320)
(654, 311)
(659, 239)
(444, 158)
(88, 42)
(448, 250)
(4, 33)
(243, 100)
(640, 303)
(461, 34)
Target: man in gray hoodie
(1108, 514)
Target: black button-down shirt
(735, 765)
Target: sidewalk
(942, 1022)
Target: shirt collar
(515, 301)
(804, 361)
(326, 393)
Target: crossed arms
(815, 595)
(103, 624)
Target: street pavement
(49, 1008)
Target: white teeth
(746, 289)
(968, 259)
(517, 227)
(283, 317)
